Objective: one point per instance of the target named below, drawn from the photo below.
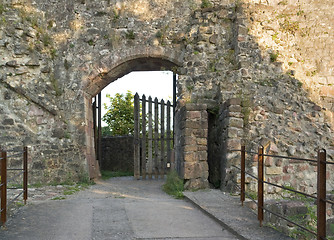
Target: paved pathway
(120, 208)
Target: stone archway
(155, 59)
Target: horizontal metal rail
(290, 221)
(10, 202)
(289, 189)
(249, 152)
(292, 158)
(15, 155)
(321, 188)
(15, 176)
(15, 169)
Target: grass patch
(58, 198)
(174, 185)
(109, 174)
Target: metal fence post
(3, 167)
(242, 188)
(25, 174)
(321, 195)
(260, 185)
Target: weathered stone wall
(117, 154)
(57, 55)
(191, 135)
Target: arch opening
(99, 83)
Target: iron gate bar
(15, 169)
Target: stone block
(233, 122)
(8, 121)
(234, 108)
(195, 107)
(193, 124)
(192, 115)
(189, 140)
(202, 155)
(190, 157)
(202, 141)
(233, 144)
(274, 170)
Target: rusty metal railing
(321, 187)
(4, 181)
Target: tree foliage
(120, 116)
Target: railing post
(260, 185)
(25, 174)
(242, 191)
(321, 195)
(3, 167)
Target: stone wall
(117, 154)
(57, 55)
(191, 135)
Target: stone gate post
(191, 133)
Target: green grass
(58, 198)
(174, 185)
(109, 174)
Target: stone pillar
(231, 120)
(93, 166)
(191, 134)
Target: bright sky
(155, 84)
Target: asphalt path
(118, 208)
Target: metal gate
(153, 137)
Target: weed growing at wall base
(174, 185)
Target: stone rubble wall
(57, 55)
(117, 154)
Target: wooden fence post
(260, 185)
(162, 137)
(168, 135)
(143, 153)
(156, 139)
(150, 135)
(136, 164)
(321, 195)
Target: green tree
(119, 116)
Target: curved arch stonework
(121, 62)
(253, 81)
